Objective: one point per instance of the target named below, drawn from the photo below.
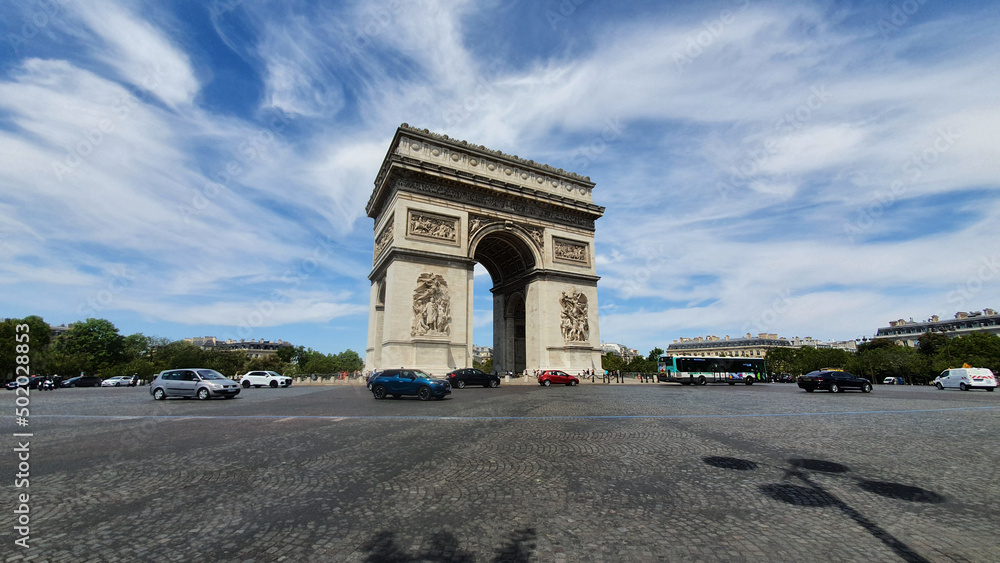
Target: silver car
(192, 382)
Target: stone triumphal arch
(440, 206)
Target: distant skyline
(189, 169)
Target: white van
(966, 378)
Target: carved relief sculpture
(569, 251)
(536, 235)
(431, 306)
(575, 326)
(432, 227)
(476, 222)
(385, 237)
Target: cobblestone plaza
(636, 472)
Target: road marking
(284, 418)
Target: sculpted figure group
(431, 306)
(575, 326)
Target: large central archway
(440, 207)
(509, 258)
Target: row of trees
(875, 359)
(881, 358)
(96, 347)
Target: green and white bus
(698, 370)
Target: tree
(654, 355)
(94, 345)
(875, 344)
(930, 342)
(270, 362)
(35, 341)
(780, 360)
(287, 354)
(612, 362)
(350, 361)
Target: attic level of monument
(442, 206)
(489, 179)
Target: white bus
(697, 370)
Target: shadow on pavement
(730, 463)
(811, 494)
(443, 547)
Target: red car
(550, 376)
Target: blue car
(399, 382)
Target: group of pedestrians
(616, 376)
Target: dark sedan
(472, 376)
(399, 382)
(82, 381)
(834, 381)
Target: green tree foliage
(36, 342)
(270, 362)
(93, 345)
(612, 362)
(781, 360)
(881, 358)
(978, 349)
(286, 354)
(96, 347)
(876, 344)
(654, 355)
(877, 363)
(930, 342)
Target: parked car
(82, 381)
(399, 382)
(893, 381)
(786, 378)
(117, 381)
(835, 381)
(966, 379)
(472, 376)
(550, 376)
(264, 379)
(11, 385)
(192, 382)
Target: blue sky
(190, 169)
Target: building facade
(748, 346)
(252, 348)
(908, 333)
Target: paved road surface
(518, 473)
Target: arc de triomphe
(440, 206)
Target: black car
(472, 376)
(834, 381)
(82, 381)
